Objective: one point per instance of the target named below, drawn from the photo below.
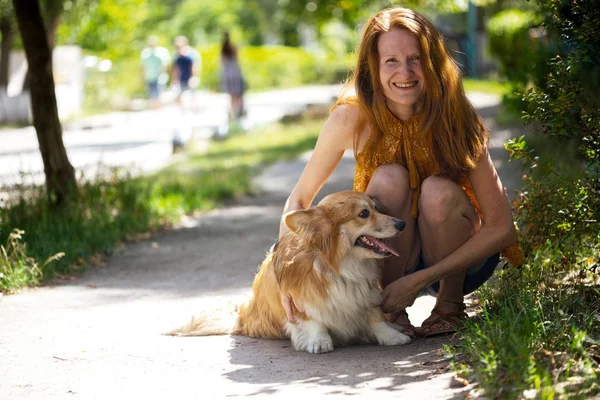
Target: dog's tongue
(385, 246)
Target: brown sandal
(407, 328)
(453, 319)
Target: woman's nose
(404, 69)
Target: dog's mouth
(375, 245)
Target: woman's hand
(287, 302)
(400, 294)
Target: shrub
(267, 67)
(510, 42)
(17, 267)
(522, 50)
(538, 337)
(567, 110)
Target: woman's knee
(439, 200)
(390, 182)
(391, 177)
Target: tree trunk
(6, 31)
(53, 20)
(60, 175)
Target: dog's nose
(400, 224)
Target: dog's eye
(364, 213)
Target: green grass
(486, 86)
(124, 207)
(536, 334)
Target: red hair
(457, 133)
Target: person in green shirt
(155, 60)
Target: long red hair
(457, 133)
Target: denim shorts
(476, 276)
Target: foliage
(115, 29)
(123, 206)
(539, 337)
(568, 106)
(553, 207)
(204, 21)
(104, 26)
(17, 269)
(277, 66)
(539, 332)
(508, 31)
(567, 110)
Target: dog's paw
(388, 336)
(320, 345)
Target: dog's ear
(300, 220)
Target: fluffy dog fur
(328, 263)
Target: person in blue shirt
(186, 66)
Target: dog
(329, 263)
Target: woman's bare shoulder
(347, 114)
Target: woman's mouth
(405, 85)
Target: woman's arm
(496, 233)
(336, 137)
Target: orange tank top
(402, 145)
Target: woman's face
(400, 71)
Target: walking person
(155, 61)
(421, 150)
(186, 66)
(232, 81)
(185, 71)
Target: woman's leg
(447, 219)
(390, 185)
(235, 106)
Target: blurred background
(282, 43)
(120, 166)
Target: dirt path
(99, 337)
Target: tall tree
(60, 175)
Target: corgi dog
(329, 263)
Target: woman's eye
(364, 214)
(390, 60)
(415, 58)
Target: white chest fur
(350, 296)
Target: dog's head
(343, 223)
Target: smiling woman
(421, 150)
(400, 71)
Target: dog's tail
(209, 324)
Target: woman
(232, 81)
(421, 150)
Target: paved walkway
(99, 337)
(142, 140)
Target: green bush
(17, 268)
(510, 43)
(112, 89)
(522, 50)
(540, 330)
(266, 67)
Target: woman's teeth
(405, 85)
